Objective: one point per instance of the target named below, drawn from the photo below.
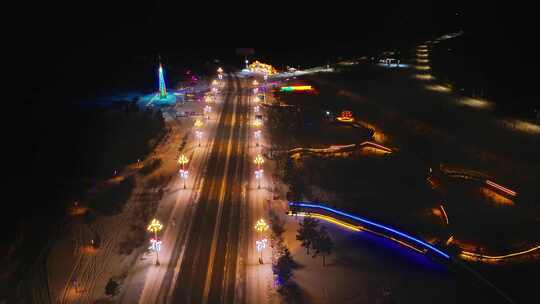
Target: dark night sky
(60, 42)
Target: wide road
(209, 264)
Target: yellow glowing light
(257, 123)
(214, 82)
(345, 119)
(496, 197)
(422, 46)
(421, 50)
(438, 88)
(498, 257)
(476, 103)
(424, 76)
(198, 124)
(259, 67)
(422, 60)
(450, 239)
(220, 70)
(394, 239)
(422, 55)
(261, 226)
(182, 160)
(255, 83)
(259, 160)
(329, 219)
(422, 67)
(523, 126)
(155, 226)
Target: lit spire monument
(162, 88)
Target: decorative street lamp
(155, 227)
(155, 245)
(183, 160)
(184, 176)
(207, 110)
(261, 244)
(261, 226)
(257, 123)
(257, 136)
(255, 83)
(258, 176)
(220, 70)
(214, 82)
(259, 160)
(198, 134)
(198, 124)
(256, 109)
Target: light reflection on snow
(522, 126)
(475, 103)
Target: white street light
(261, 244)
(184, 176)
(258, 176)
(257, 136)
(198, 134)
(207, 110)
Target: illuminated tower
(162, 89)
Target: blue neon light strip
(417, 241)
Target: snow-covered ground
(78, 273)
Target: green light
(287, 89)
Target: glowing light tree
(259, 160)
(261, 226)
(183, 160)
(162, 88)
(198, 133)
(155, 227)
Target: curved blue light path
(365, 221)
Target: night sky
(61, 44)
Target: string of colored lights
(498, 257)
(380, 226)
(329, 219)
(296, 88)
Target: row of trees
(283, 266)
(316, 239)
